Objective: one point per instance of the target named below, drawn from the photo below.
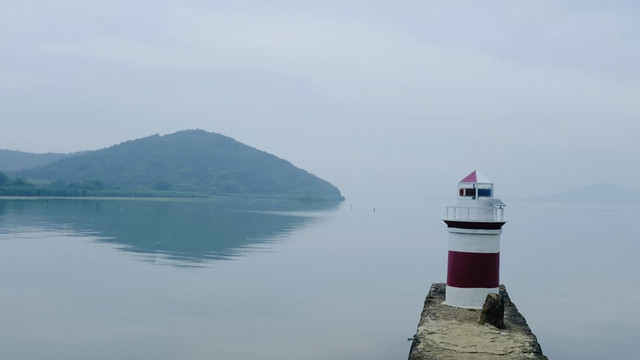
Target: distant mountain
(599, 193)
(11, 160)
(189, 161)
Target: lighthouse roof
(476, 177)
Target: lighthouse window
(484, 192)
(472, 192)
(467, 192)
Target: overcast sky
(374, 96)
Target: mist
(383, 100)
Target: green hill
(11, 160)
(192, 162)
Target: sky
(381, 98)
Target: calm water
(125, 279)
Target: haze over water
(389, 101)
(131, 279)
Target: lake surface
(143, 279)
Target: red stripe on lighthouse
(473, 270)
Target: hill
(599, 193)
(190, 161)
(11, 160)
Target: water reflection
(183, 233)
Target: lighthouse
(449, 322)
(474, 225)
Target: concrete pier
(446, 332)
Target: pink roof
(476, 177)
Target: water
(130, 279)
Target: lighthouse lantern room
(474, 224)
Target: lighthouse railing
(475, 213)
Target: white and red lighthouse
(474, 224)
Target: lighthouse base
(446, 332)
(467, 298)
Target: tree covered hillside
(17, 160)
(192, 161)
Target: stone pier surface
(446, 332)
